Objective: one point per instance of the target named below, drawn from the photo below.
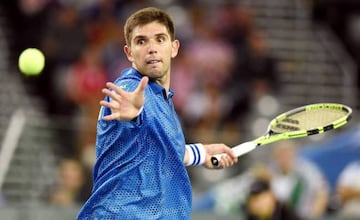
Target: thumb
(142, 85)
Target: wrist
(140, 110)
(196, 154)
(137, 115)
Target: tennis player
(140, 170)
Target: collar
(156, 88)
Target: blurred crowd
(287, 186)
(223, 67)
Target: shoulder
(129, 79)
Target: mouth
(153, 61)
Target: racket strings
(308, 120)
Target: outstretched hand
(227, 160)
(124, 105)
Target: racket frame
(271, 136)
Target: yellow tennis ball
(31, 62)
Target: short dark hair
(259, 186)
(146, 16)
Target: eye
(140, 41)
(161, 39)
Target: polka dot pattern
(139, 173)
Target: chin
(155, 73)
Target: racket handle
(238, 150)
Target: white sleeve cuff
(196, 154)
(139, 112)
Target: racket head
(311, 119)
(299, 122)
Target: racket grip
(238, 150)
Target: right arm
(199, 154)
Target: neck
(165, 84)
(164, 81)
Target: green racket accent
(306, 120)
(299, 122)
(277, 137)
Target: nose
(152, 47)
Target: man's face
(262, 204)
(151, 51)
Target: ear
(127, 51)
(175, 48)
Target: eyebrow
(156, 35)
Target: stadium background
(237, 59)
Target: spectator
(348, 190)
(71, 188)
(229, 195)
(297, 182)
(261, 204)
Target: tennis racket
(299, 122)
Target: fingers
(230, 153)
(223, 149)
(227, 161)
(111, 94)
(124, 105)
(115, 88)
(118, 92)
(227, 158)
(142, 85)
(111, 105)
